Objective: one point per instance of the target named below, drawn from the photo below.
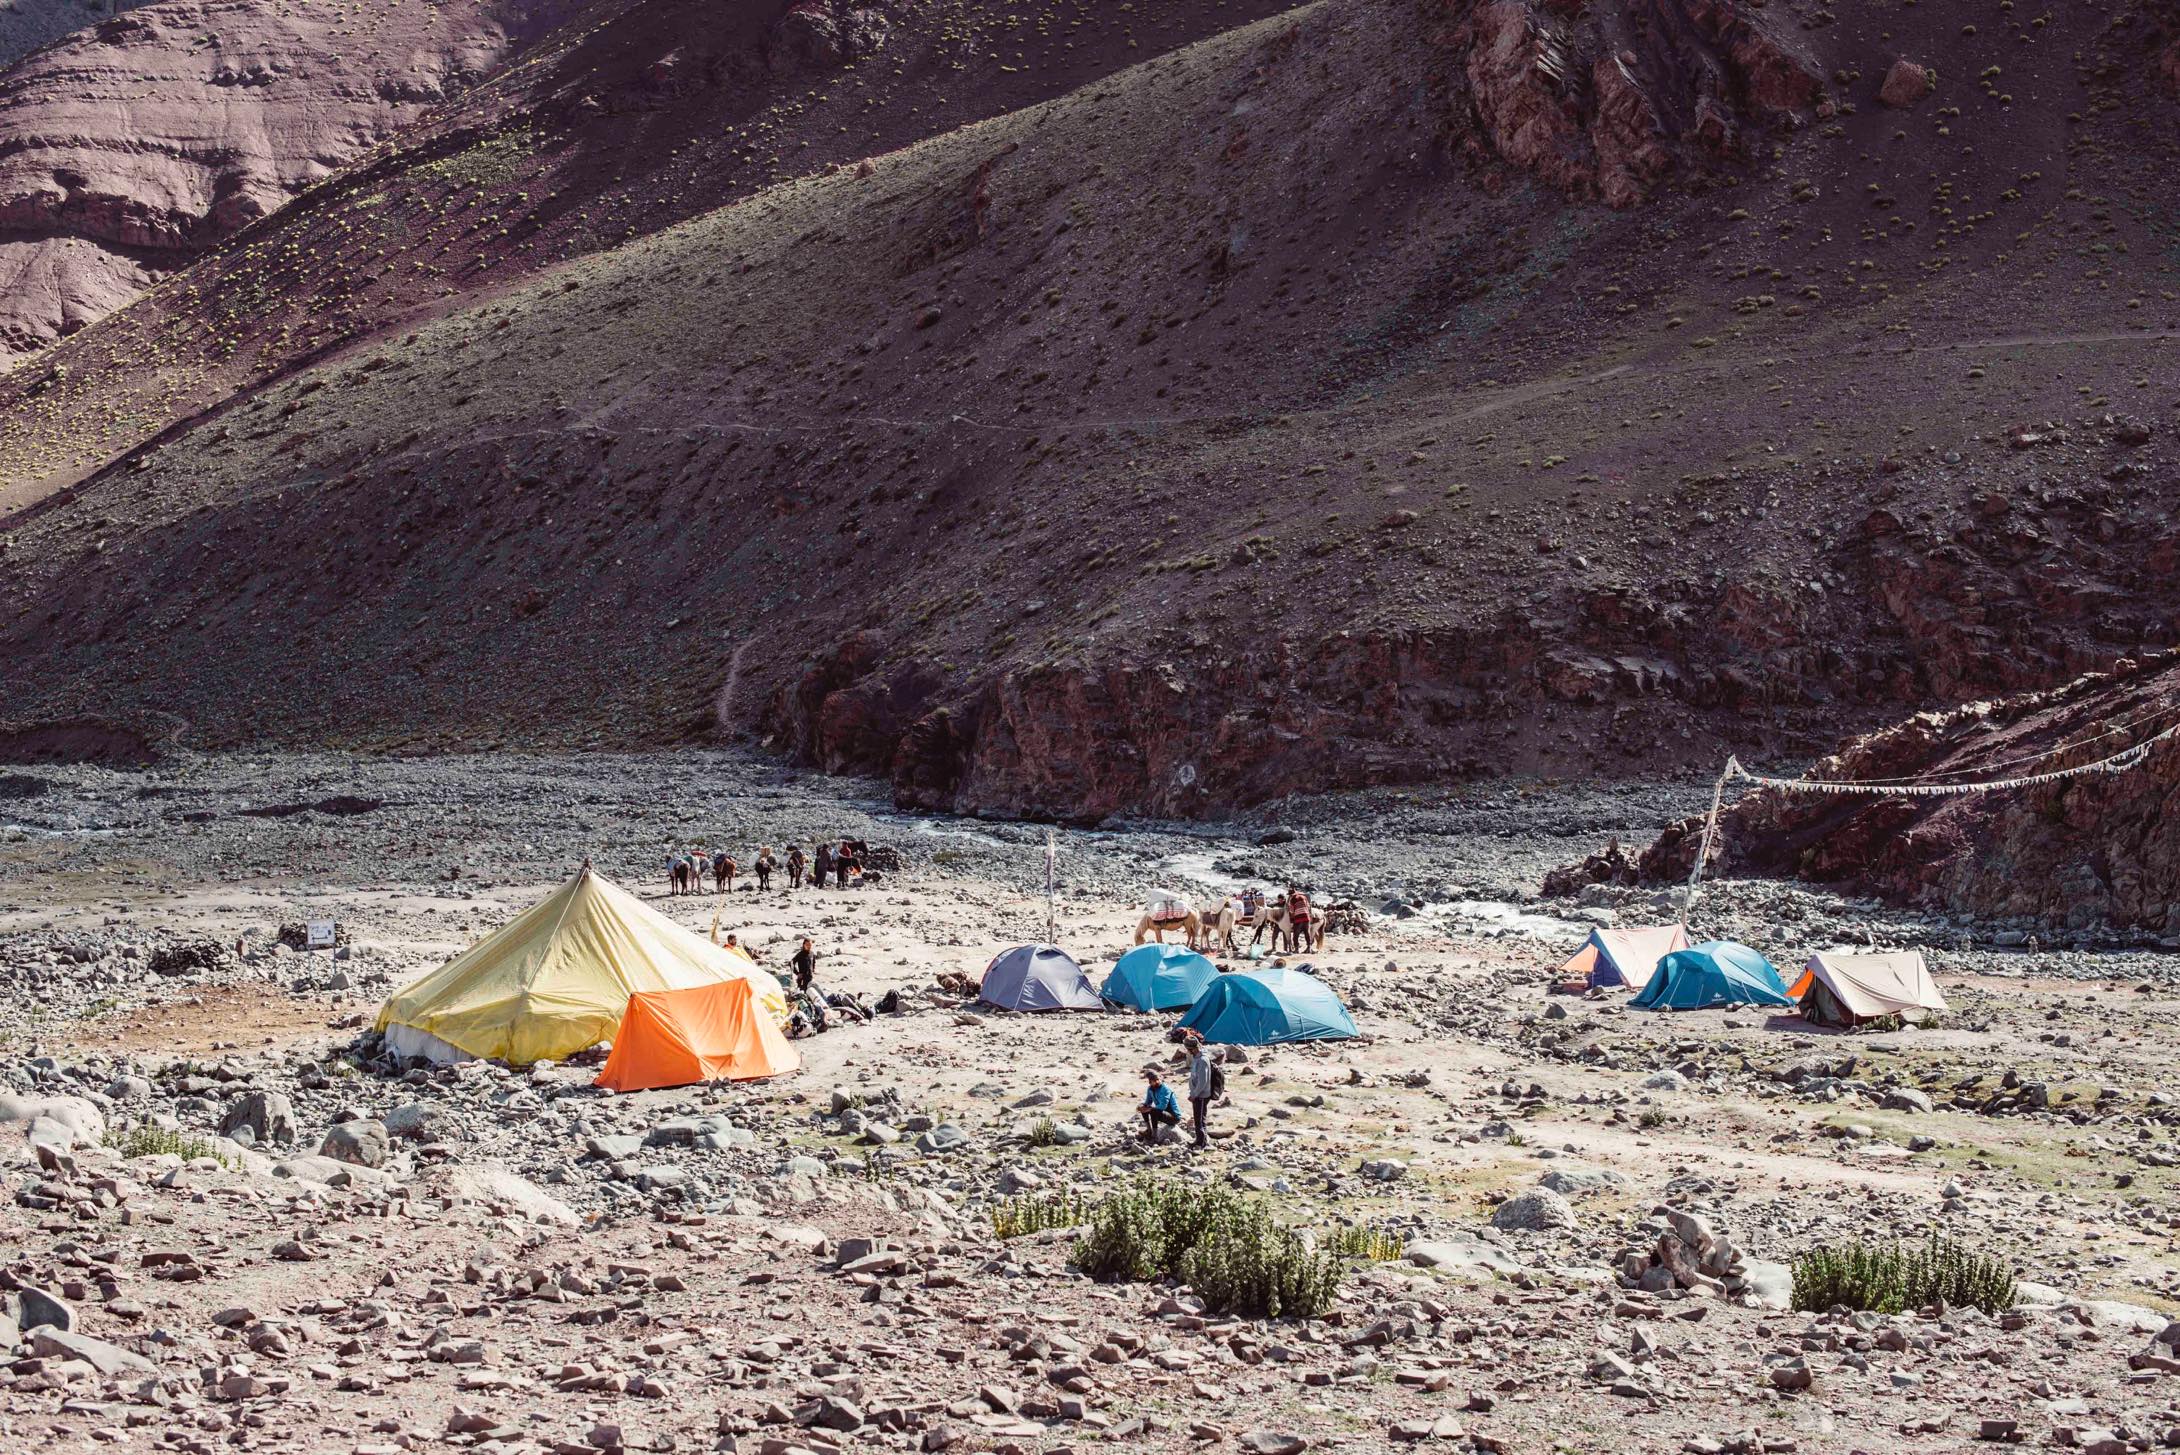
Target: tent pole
(1710, 832)
(1052, 866)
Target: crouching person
(1159, 1108)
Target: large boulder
(497, 1186)
(110, 1360)
(1539, 1210)
(1906, 84)
(364, 1143)
(58, 1121)
(267, 1116)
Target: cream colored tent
(1844, 989)
(557, 978)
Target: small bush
(1374, 1245)
(1021, 1216)
(1230, 1249)
(146, 1140)
(1888, 1279)
(1651, 1118)
(1045, 1133)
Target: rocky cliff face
(134, 145)
(1603, 99)
(2097, 849)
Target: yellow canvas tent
(557, 978)
(1844, 989)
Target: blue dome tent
(1716, 972)
(1037, 977)
(1265, 1007)
(1158, 977)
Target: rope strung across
(2119, 762)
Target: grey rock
(108, 1359)
(1469, 1258)
(267, 1116)
(363, 1143)
(1539, 1210)
(36, 1308)
(1575, 1181)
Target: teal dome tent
(1716, 972)
(1158, 977)
(1265, 1007)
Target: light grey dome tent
(1037, 977)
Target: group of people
(688, 871)
(1159, 1109)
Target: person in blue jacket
(1159, 1109)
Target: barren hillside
(1376, 391)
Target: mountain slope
(132, 146)
(636, 115)
(1288, 411)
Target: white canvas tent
(1840, 989)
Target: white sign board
(318, 934)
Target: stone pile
(1688, 1253)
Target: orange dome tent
(705, 1033)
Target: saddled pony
(1215, 928)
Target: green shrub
(1230, 1249)
(1374, 1245)
(1021, 1216)
(1651, 1118)
(146, 1140)
(1044, 1133)
(1888, 1279)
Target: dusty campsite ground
(539, 1266)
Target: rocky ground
(1591, 1207)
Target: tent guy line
(2122, 761)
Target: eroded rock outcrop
(2096, 848)
(1601, 100)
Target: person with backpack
(1205, 1082)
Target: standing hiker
(1203, 1084)
(805, 966)
(822, 865)
(794, 866)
